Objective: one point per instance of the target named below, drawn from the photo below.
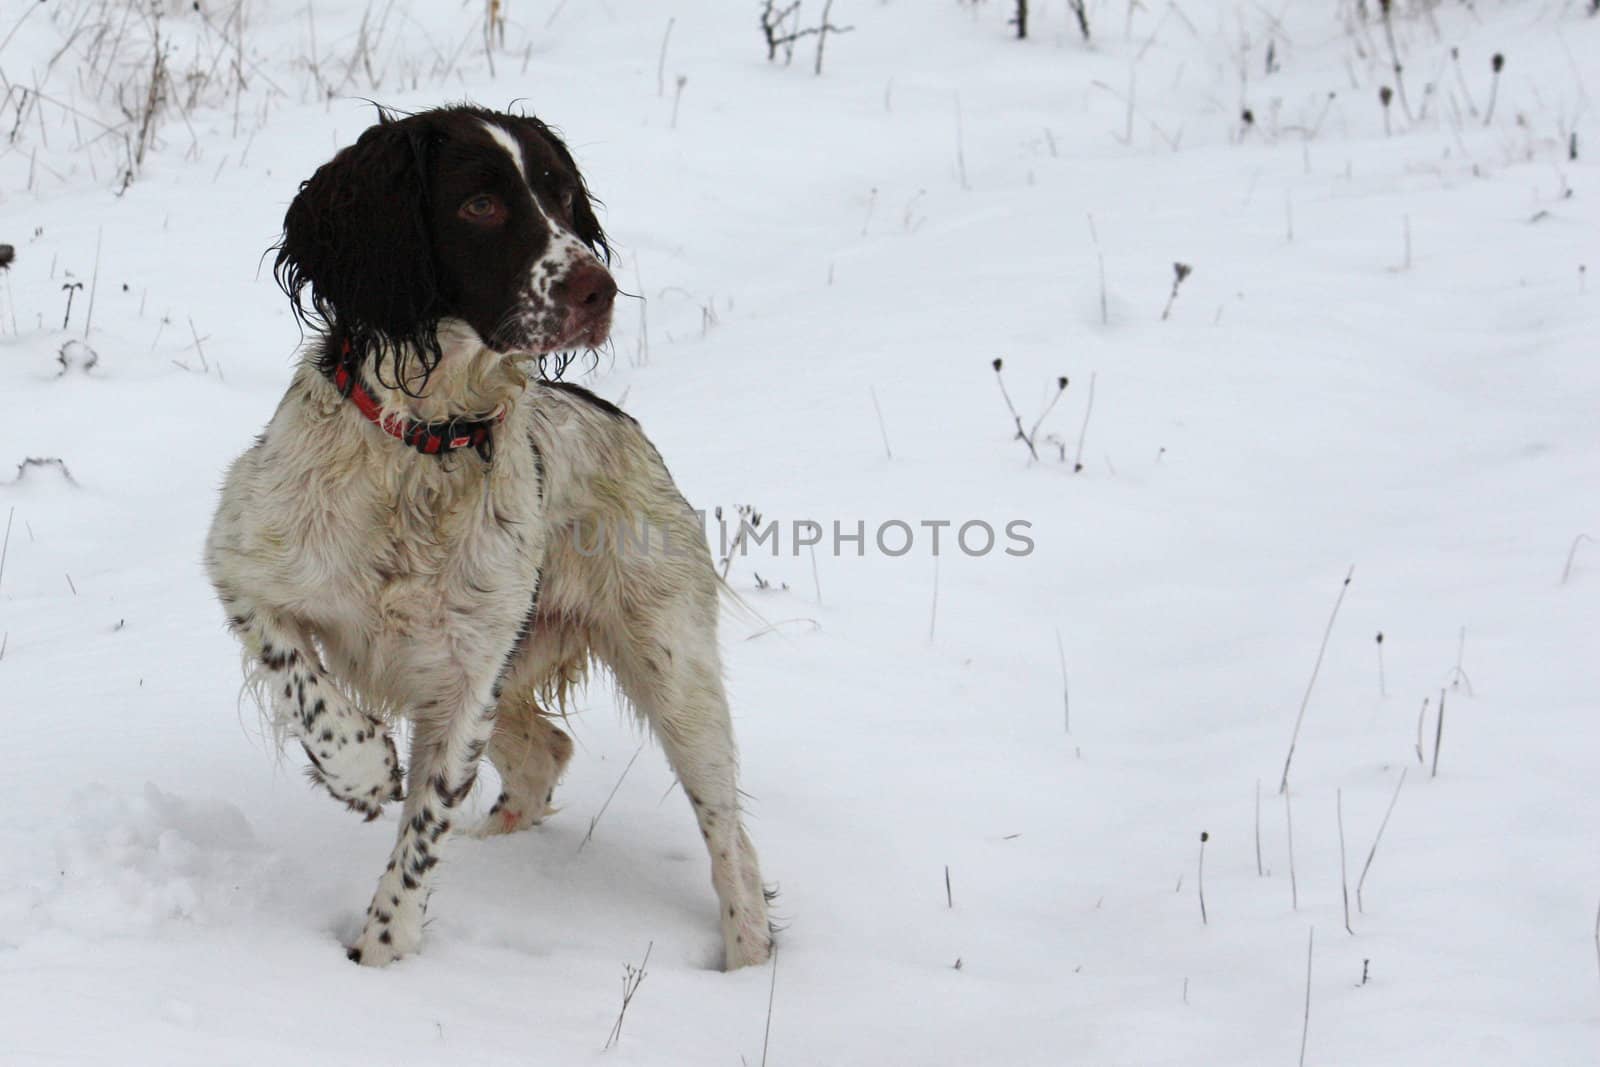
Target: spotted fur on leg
(352, 755)
(445, 750)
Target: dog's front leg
(351, 753)
(448, 741)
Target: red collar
(430, 438)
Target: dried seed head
(1248, 117)
(1497, 63)
(1385, 95)
(997, 364)
(1182, 270)
(1204, 837)
(1061, 382)
(1380, 637)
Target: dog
(416, 534)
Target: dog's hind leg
(351, 753)
(530, 753)
(665, 657)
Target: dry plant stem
(1077, 8)
(1200, 878)
(1394, 56)
(5, 546)
(94, 282)
(1383, 685)
(1055, 399)
(1294, 884)
(1083, 431)
(772, 990)
(961, 153)
(1566, 572)
(1373, 852)
(949, 899)
(596, 820)
(884, 430)
(631, 978)
(1458, 676)
(1021, 434)
(1259, 872)
(661, 61)
(1344, 877)
(677, 98)
(1283, 785)
(1066, 697)
(815, 580)
(1438, 736)
(1305, 1023)
(1422, 717)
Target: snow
(1332, 396)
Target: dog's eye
(568, 198)
(483, 209)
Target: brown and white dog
(403, 540)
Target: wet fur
(367, 582)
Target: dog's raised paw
(361, 771)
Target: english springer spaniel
(421, 531)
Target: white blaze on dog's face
(457, 215)
(510, 221)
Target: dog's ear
(357, 236)
(585, 223)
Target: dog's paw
(361, 770)
(508, 816)
(746, 936)
(380, 944)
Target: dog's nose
(588, 289)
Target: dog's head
(455, 213)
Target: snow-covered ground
(1384, 357)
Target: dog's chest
(431, 552)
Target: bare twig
(949, 898)
(94, 282)
(661, 61)
(5, 546)
(1283, 786)
(772, 990)
(1305, 1023)
(1180, 271)
(1083, 431)
(1383, 685)
(1200, 877)
(1259, 872)
(1457, 675)
(882, 428)
(1066, 696)
(631, 977)
(1438, 736)
(1294, 884)
(1394, 58)
(1572, 555)
(1082, 15)
(1362, 881)
(596, 820)
(1422, 716)
(43, 461)
(1344, 878)
(1496, 65)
